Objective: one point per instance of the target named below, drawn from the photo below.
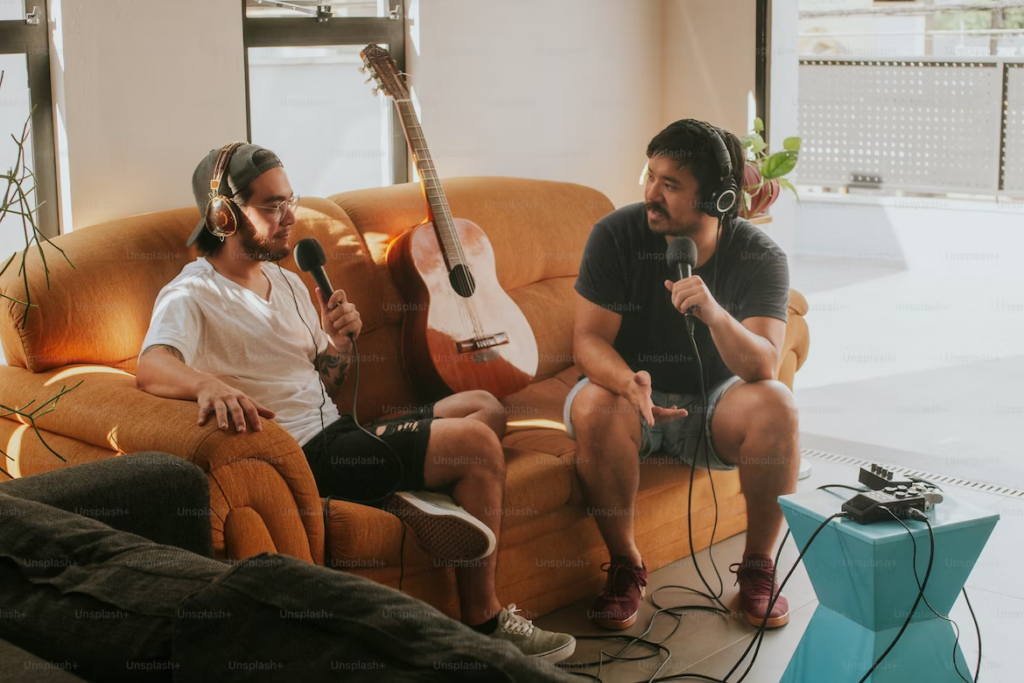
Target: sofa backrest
(99, 311)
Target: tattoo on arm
(166, 347)
(332, 368)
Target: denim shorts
(684, 438)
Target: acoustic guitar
(461, 330)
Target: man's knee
(777, 406)
(478, 447)
(772, 418)
(596, 412)
(486, 408)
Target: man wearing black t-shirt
(643, 387)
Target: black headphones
(718, 201)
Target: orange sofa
(86, 332)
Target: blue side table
(865, 586)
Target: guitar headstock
(384, 71)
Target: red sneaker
(617, 605)
(754, 575)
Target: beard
(259, 248)
(667, 225)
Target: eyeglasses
(279, 210)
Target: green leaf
(791, 144)
(758, 124)
(783, 182)
(778, 165)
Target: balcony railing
(918, 125)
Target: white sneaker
(531, 640)
(442, 528)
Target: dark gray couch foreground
(105, 570)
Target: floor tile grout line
(992, 592)
(767, 635)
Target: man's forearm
(164, 373)
(602, 364)
(748, 355)
(333, 366)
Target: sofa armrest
(797, 341)
(262, 494)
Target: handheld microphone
(681, 257)
(310, 258)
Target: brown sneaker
(754, 575)
(617, 605)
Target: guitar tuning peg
(368, 79)
(362, 69)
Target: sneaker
(531, 640)
(754, 575)
(442, 528)
(617, 605)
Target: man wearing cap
(234, 333)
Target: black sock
(488, 627)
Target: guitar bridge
(481, 343)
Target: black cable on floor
(956, 626)
(826, 487)
(758, 637)
(920, 594)
(977, 667)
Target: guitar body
(450, 342)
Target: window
(307, 100)
(25, 61)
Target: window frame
(303, 31)
(17, 36)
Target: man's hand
(217, 397)
(691, 293)
(639, 394)
(337, 318)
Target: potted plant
(764, 172)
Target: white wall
(709, 58)
(570, 90)
(149, 87)
(566, 90)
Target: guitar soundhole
(462, 281)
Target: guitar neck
(437, 203)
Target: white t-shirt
(262, 348)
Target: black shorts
(349, 464)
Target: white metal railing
(915, 124)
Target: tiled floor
(711, 644)
(924, 354)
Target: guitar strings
(426, 163)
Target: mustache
(651, 206)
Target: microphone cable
(328, 559)
(659, 647)
(679, 611)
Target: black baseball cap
(248, 162)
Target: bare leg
(465, 459)
(755, 426)
(475, 405)
(607, 446)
